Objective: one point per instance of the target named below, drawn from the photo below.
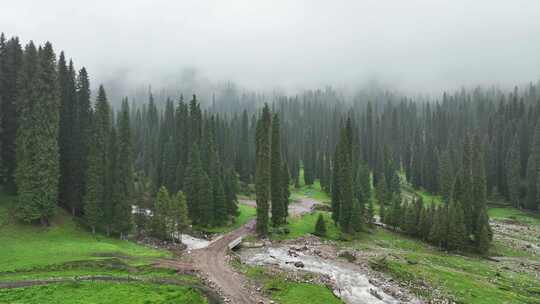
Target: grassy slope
(515, 214)
(101, 292)
(67, 250)
(27, 246)
(312, 191)
(304, 225)
(469, 279)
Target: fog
(414, 46)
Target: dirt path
(302, 206)
(212, 262)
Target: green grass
(102, 292)
(246, 213)
(515, 214)
(427, 198)
(111, 267)
(66, 250)
(305, 224)
(312, 191)
(469, 279)
(27, 246)
(284, 291)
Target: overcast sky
(415, 45)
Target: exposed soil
(301, 206)
(213, 264)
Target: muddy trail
(301, 206)
(212, 262)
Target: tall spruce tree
(286, 192)
(37, 142)
(159, 224)
(533, 168)
(123, 186)
(82, 134)
(14, 74)
(276, 185)
(344, 181)
(262, 173)
(484, 233)
(97, 177)
(220, 214)
(179, 213)
(243, 154)
(466, 196)
(446, 176)
(479, 185)
(457, 233)
(192, 184)
(513, 173)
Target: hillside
(66, 264)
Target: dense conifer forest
(62, 144)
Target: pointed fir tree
(37, 143)
(124, 180)
(357, 216)
(192, 184)
(320, 226)
(97, 177)
(409, 224)
(513, 173)
(112, 197)
(14, 74)
(466, 190)
(67, 193)
(345, 178)
(438, 231)
(244, 149)
(179, 213)
(82, 134)
(231, 188)
(159, 220)
(383, 197)
(446, 176)
(220, 214)
(457, 233)
(286, 192)
(533, 167)
(479, 184)
(276, 186)
(262, 173)
(205, 198)
(94, 184)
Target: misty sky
(418, 46)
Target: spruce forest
(250, 196)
